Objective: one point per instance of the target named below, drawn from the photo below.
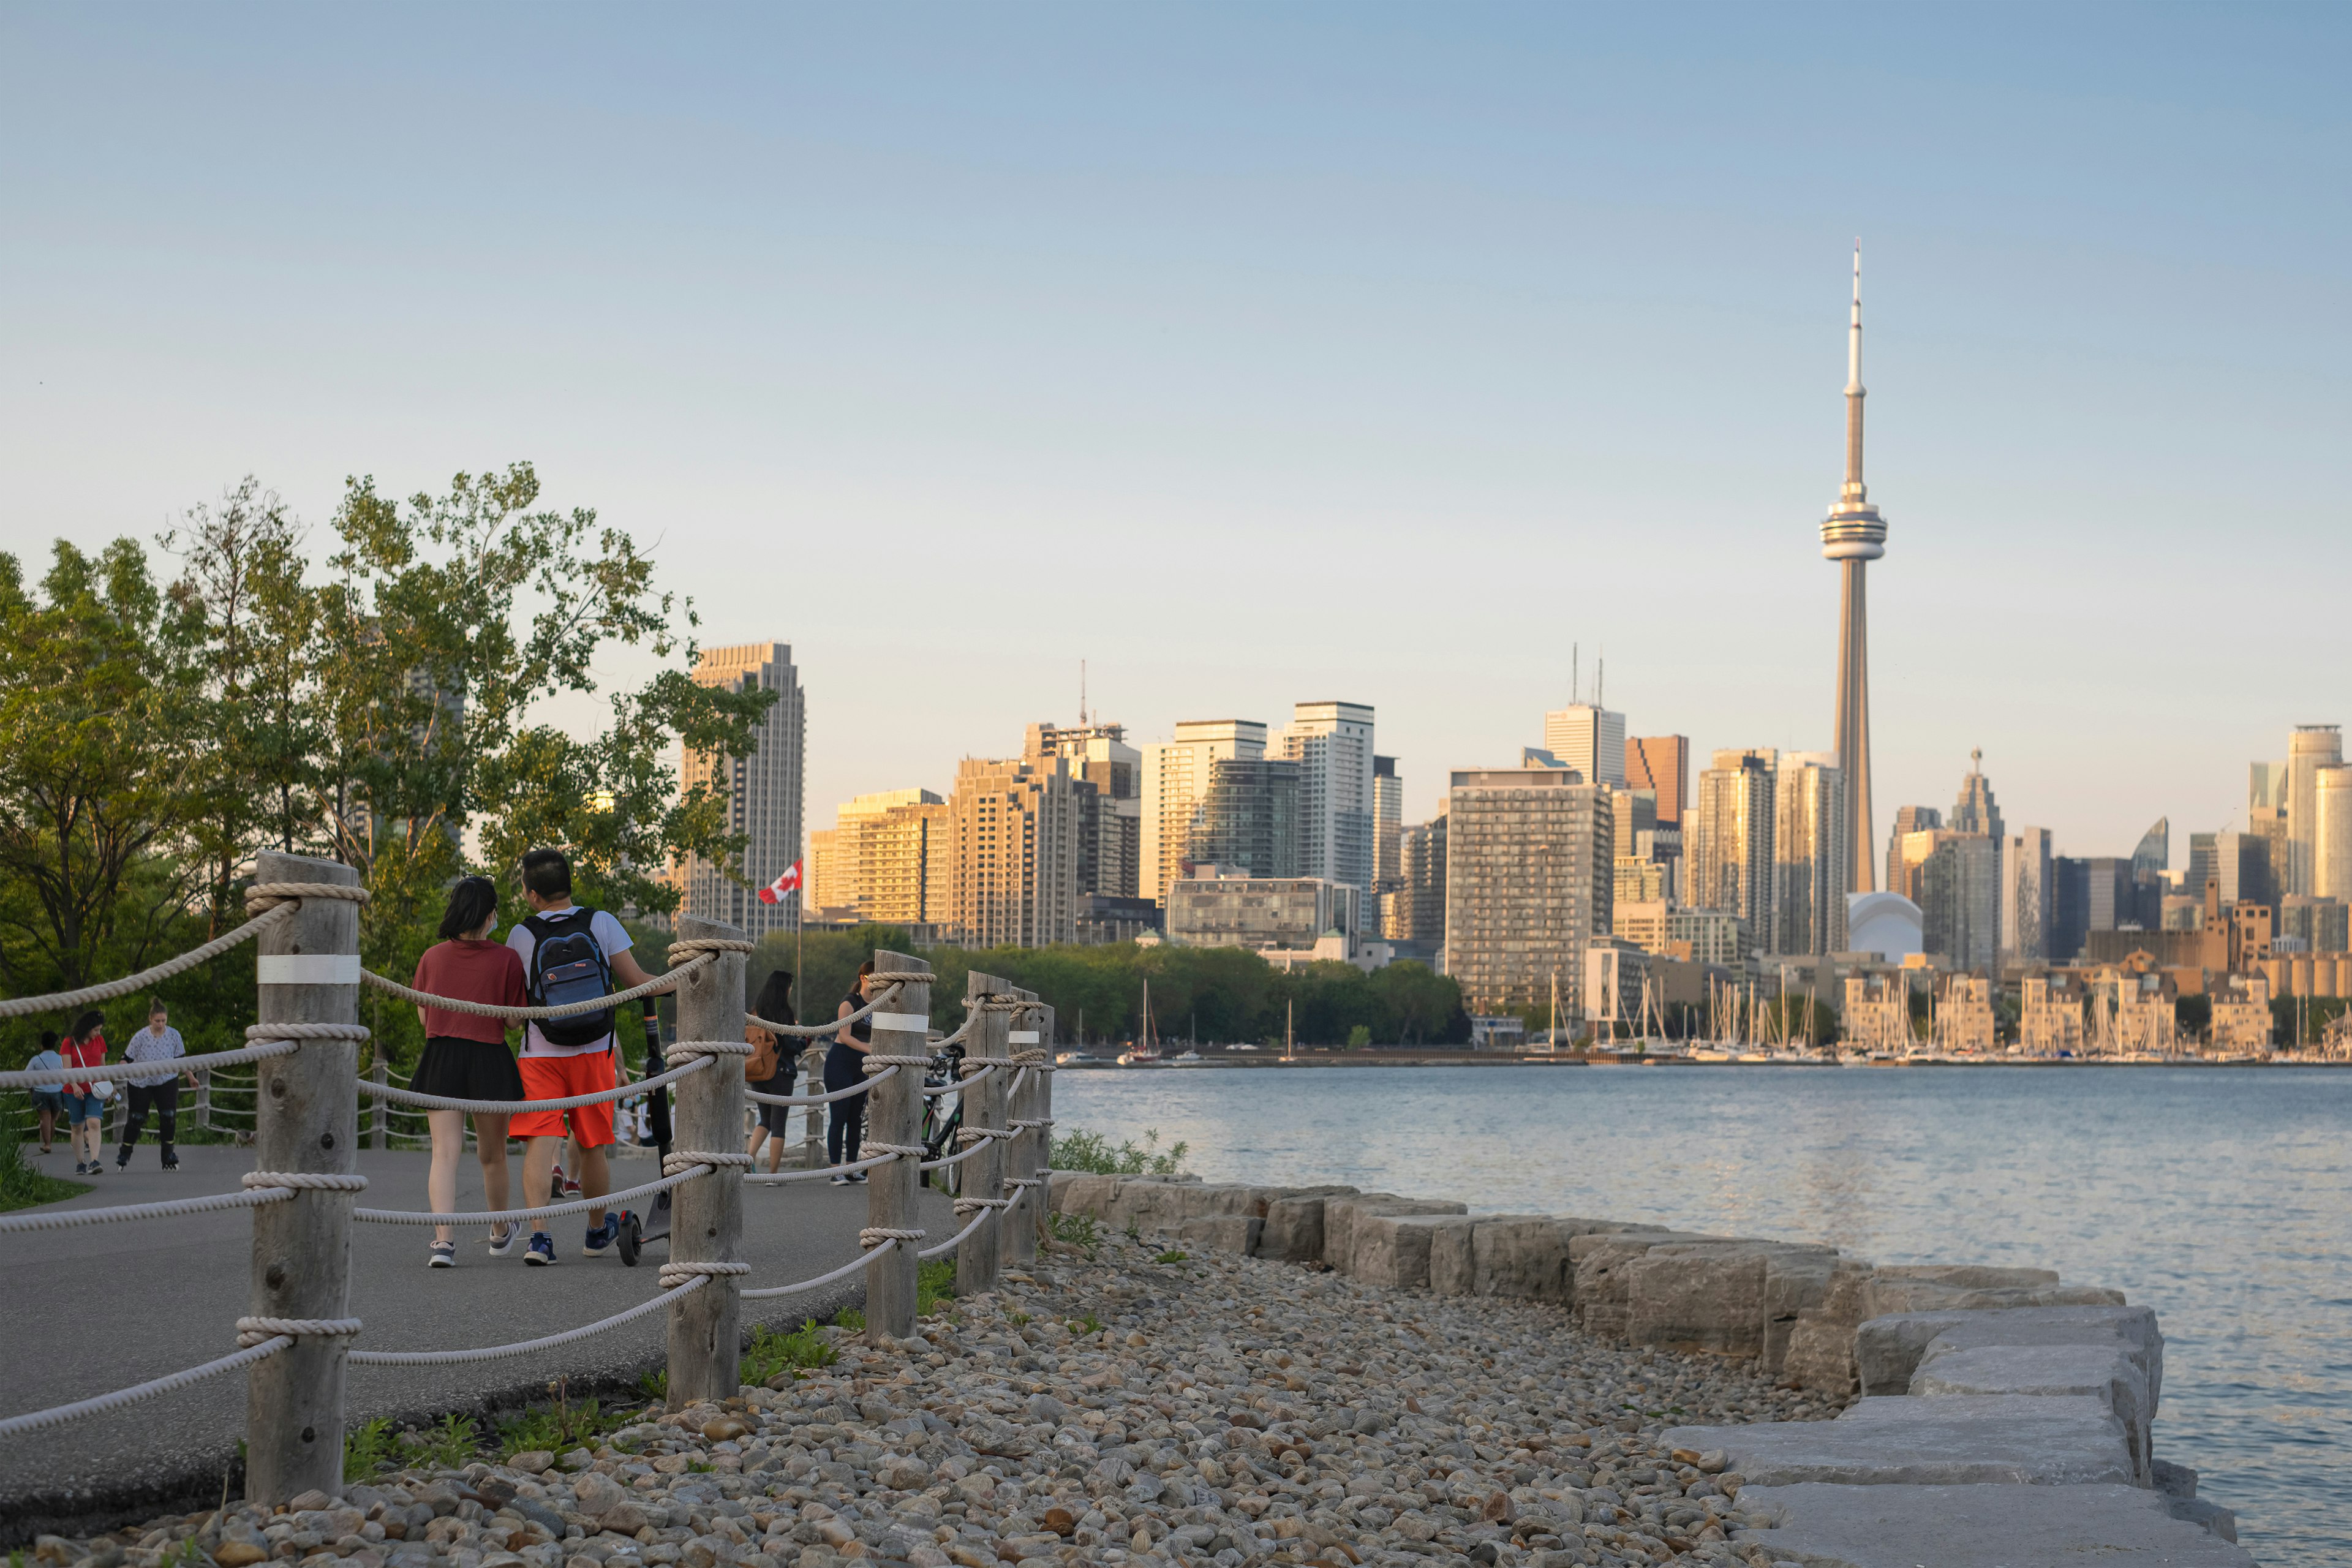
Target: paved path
(102, 1307)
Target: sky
(1255, 356)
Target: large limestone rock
(1393, 1250)
(1819, 1354)
(2102, 1371)
(1078, 1192)
(1235, 1233)
(1963, 1440)
(1888, 1349)
(1342, 1216)
(1830, 1526)
(1499, 1255)
(1717, 1296)
(1598, 1261)
(1292, 1231)
(1898, 1293)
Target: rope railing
(98, 1405)
(36, 1078)
(525, 1347)
(546, 1211)
(70, 1219)
(64, 1001)
(658, 985)
(872, 1255)
(518, 1107)
(824, 1099)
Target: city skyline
(1499, 368)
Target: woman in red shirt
(85, 1047)
(466, 1054)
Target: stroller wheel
(631, 1237)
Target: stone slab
(1888, 1349)
(1342, 1216)
(1393, 1250)
(1829, 1526)
(1293, 1231)
(1233, 1233)
(1962, 1440)
(2104, 1372)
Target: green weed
(1076, 1230)
(852, 1319)
(367, 1448)
(934, 1283)
(449, 1444)
(1087, 1324)
(1169, 1258)
(1134, 1231)
(22, 1186)
(655, 1386)
(557, 1428)
(772, 1354)
(1091, 1152)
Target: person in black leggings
(845, 1068)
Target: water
(2216, 1195)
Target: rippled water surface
(2218, 1197)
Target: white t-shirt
(609, 935)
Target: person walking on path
(85, 1046)
(48, 1100)
(158, 1042)
(845, 1067)
(775, 1060)
(466, 1054)
(570, 953)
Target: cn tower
(1853, 535)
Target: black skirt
(467, 1069)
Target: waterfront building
(1414, 915)
(883, 860)
(1908, 819)
(1853, 535)
(2309, 748)
(1215, 908)
(1959, 898)
(1730, 848)
(2134, 1005)
(1660, 929)
(1388, 823)
(1614, 970)
(1012, 862)
(2331, 833)
(1528, 883)
(762, 791)
(2317, 924)
(1661, 764)
(2050, 1015)
(1877, 1015)
(1964, 1015)
(2028, 897)
(1213, 795)
(1810, 845)
(1640, 881)
(1105, 918)
(826, 869)
(1588, 739)
(1111, 801)
(1330, 743)
(2241, 1015)
(1975, 811)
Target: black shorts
(772, 1117)
(467, 1069)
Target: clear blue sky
(1256, 355)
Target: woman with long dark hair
(845, 1065)
(775, 1062)
(85, 1046)
(465, 1054)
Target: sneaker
(502, 1244)
(571, 1187)
(601, 1237)
(858, 1176)
(541, 1250)
(82, 1170)
(843, 1181)
(444, 1256)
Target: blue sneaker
(601, 1237)
(541, 1250)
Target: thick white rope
(66, 1219)
(970, 1134)
(830, 1026)
(876, 1234)
(944, 1160)
(951, 1243)
(818, 1099)
(690, 1050)
(843, 1272)
(308, 1180)
(869, 1149)
(658, 985)
(101, 1404)
(515, 1217)
(966, 1205)
(875, 1061)
(252, 1333)
(524, 1347)
(64, 1001)
(1026, 1123)
(681, 1162)
(518, 1107)
(676, 1274)
(36, 1077)
(778, 1178)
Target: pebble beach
(1119, 1405)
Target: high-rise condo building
(762, 791)
(1959, 900)
(1528, 884)
(1908, 819)
(1111, 801)
(2331, 833)
(1730, 851)
(1661, 764)
(1590, 740)
(2028, 897)
(1388, 823)
(1332, 742)
(1414, 914)
(1176, 779)
(884, 859)
(2309, 748)
(1810, 845)
(1013, 864)
(1853, 535)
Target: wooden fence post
(706, 1213)
(812, 1116)
(1020, 1237)
(983, 1106)
(305, 1119)
(893, 1112)
(1043, 1170)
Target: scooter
(654, 1225)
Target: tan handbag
(762, 1064)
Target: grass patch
(1091, 1152)
(449, 1443)
(1085, 1324)
(1018, 1319)
(798, 1352)
(1075, 1229)
(654, 1387)
(1171, 1257)
(558, 1428)
(22, 1186)
(850, 1317)
(367, 1448)
(934, 1283)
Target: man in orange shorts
(569, 954)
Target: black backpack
(568, 964)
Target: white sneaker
(499, 1245)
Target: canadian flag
(790, 882)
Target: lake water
(2218, 1196)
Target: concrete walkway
(104, 1307)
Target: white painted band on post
(309, 969)
(913, 1022)
(1023, 1037)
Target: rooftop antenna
(1600, 675)
(1082, 694)
(1575, 679)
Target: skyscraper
(1388, 823)
(1908, 819)
(1853, 535)
(1730, 852)
(1975, 811)
(1111, 801)
(2310, 748)
(1013, 868)
(1588, 739)
(762, 791)
(1332, 744)
(1809, 849)
(1176, 779)
(2029, 907)
(1661, 764)
(885, 857)
(2331, 833)
(1528, 884)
